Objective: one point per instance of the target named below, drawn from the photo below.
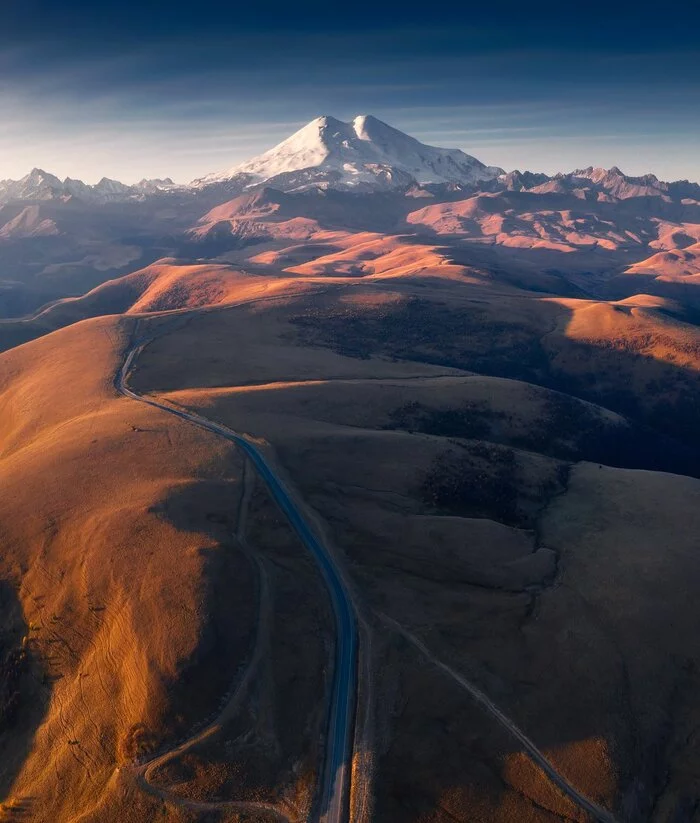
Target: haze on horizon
(144, 90)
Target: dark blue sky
(136, 89)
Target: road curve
(334, 796)
(598, 813)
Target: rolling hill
(473, 393)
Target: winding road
(144, 771)
(597, 813)
(335, 779)
(334, 796)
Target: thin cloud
(182, 101)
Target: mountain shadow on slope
(660, 432)
(24, 690)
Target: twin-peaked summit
(364, 153)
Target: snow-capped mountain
(365, 153)
(611, 184)
(158, 185)
(37, 185)
(41, 185)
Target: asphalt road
(334, 798)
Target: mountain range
(364, 155)
(63, 237)
(41, 185)
(357, 482)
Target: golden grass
(115, 579)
